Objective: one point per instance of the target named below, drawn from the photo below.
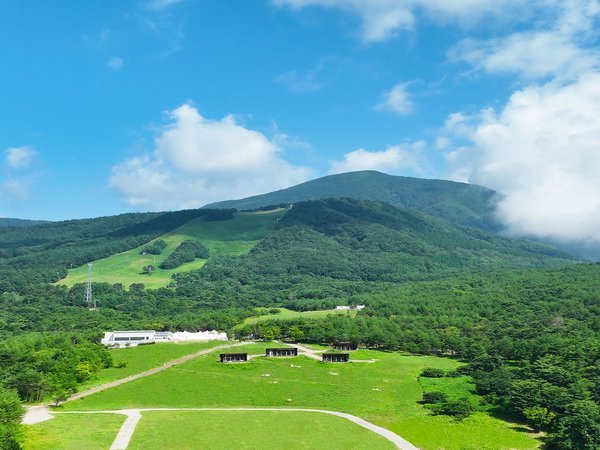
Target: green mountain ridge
(458, 203)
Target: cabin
(233, 357)
(281, 352)
(344, 346)
(336, 357)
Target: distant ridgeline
(458, 203)
(43, 253)
(6, 222)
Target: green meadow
(251, 430)
(228, 237)
(386, 393)
(139, 359)
(288, 314)
(74, 432)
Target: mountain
(458, 203)
(8, 222)
(321, 241)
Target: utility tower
(88, 289)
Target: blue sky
(118, 106)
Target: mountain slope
(458, 203)
(363, 241)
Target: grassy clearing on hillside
(251, 430)
(386, 392)
(144, 357)
(228, 237)
(288, 314)
(74, 432)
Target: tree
(459, 409)
(578, 428)
(11, 412)
(434, 397)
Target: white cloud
(396, 100)
(559, 46)
(542, 151)
(159, 5)
(382, 19)
(534, 54)
(114, 63)
(298, 83)
(20, 157)
(197, 161)
(394, 159)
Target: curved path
(39, 413)
(121, 442)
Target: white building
(128, 338)
(136, 337)
(348, 307)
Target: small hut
(233, 357)
(281, 352)
(336, 357)
(345, 346)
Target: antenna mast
(88, 289)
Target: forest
(524, 319)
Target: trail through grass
(233, 430)
(74, 432)
(386, 393)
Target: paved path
(36, 414)
(123, 438)
(308, 351)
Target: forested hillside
(7, 222)
(43, 253)
(458, 203)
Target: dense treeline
(38, 365)
(185, 252)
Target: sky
(118, 106)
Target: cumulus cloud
(396, 100)
(20, 157)
(533, 54)
(559, 47)
(197, 161)
(382, 19)
(392, 160)
(114, 63)
(542, 151)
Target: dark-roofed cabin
(336, 357)
(345, 346)
(285, 351)
(234, 357)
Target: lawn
(74, 432)
(288, 314)
(228, 237)
(251, 430)
(144, 357)
(386, 392)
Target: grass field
(142, 358)
(229, 237)
(251, 430)
(74, 432)
(386, 393)
(288, 314)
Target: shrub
(432, 372)
(459, 409)
(434, 397)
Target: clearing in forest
(235, 236)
